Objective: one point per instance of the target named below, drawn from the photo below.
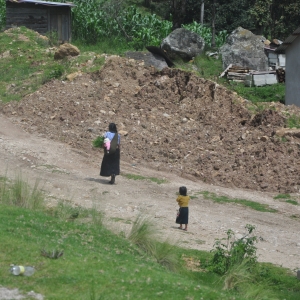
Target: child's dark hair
(182, 191)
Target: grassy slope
(94, 260)
(97, 262)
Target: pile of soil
(169, 120)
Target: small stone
(123, 132)
(116, 84)
(264, 185)
(184, 120)
(264, 138)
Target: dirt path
(66, 173)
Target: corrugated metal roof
(288, 41)
(70, 4)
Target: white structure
(291, 48)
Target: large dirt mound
(170, 120)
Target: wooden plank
(224, 72)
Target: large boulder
(65, 50)
(245, 49)
(148, 59)
(183, 43)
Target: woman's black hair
(112, 127)
(182, 191)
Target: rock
(123, 132)
(264, 185)
(245, 49)
(148, 58)
(65, 50)
(182, 43)
(72, 76)
(288, 132)
(116, 84)
(5, 54)
(264, 138)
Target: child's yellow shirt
(183, 201)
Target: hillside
(170, 121)
(174, 125)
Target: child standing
(183, 202)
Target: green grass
(117, 46)
(97, 264)
(29, 64)
(208, 67)
(293, 121)
(287, 198)
(268, 93)
(223, 199)
(140, 177)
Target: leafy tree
(2, 13)
(178, 12)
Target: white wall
(292, 74)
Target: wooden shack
(40, 16)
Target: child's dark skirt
(183, 217)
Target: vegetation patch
(139, 177)
(286, 198)
(223, 199)
(75, 256)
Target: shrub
(206, 34)
(19, 193)
(233, 252)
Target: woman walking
(110, 165)
(183, 202)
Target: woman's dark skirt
(110, 164)
(183, 217)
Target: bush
(205, 33)
(233, 252)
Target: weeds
(287, 198)
(19, 193)
(223, 199)
(234, 252)
(142, 235)
(139, 177)
(293, 121)
(165, 256)
(54, 254)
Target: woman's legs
(113, 178)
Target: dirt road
(67, 173)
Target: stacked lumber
(236, 73)
(280, 75)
